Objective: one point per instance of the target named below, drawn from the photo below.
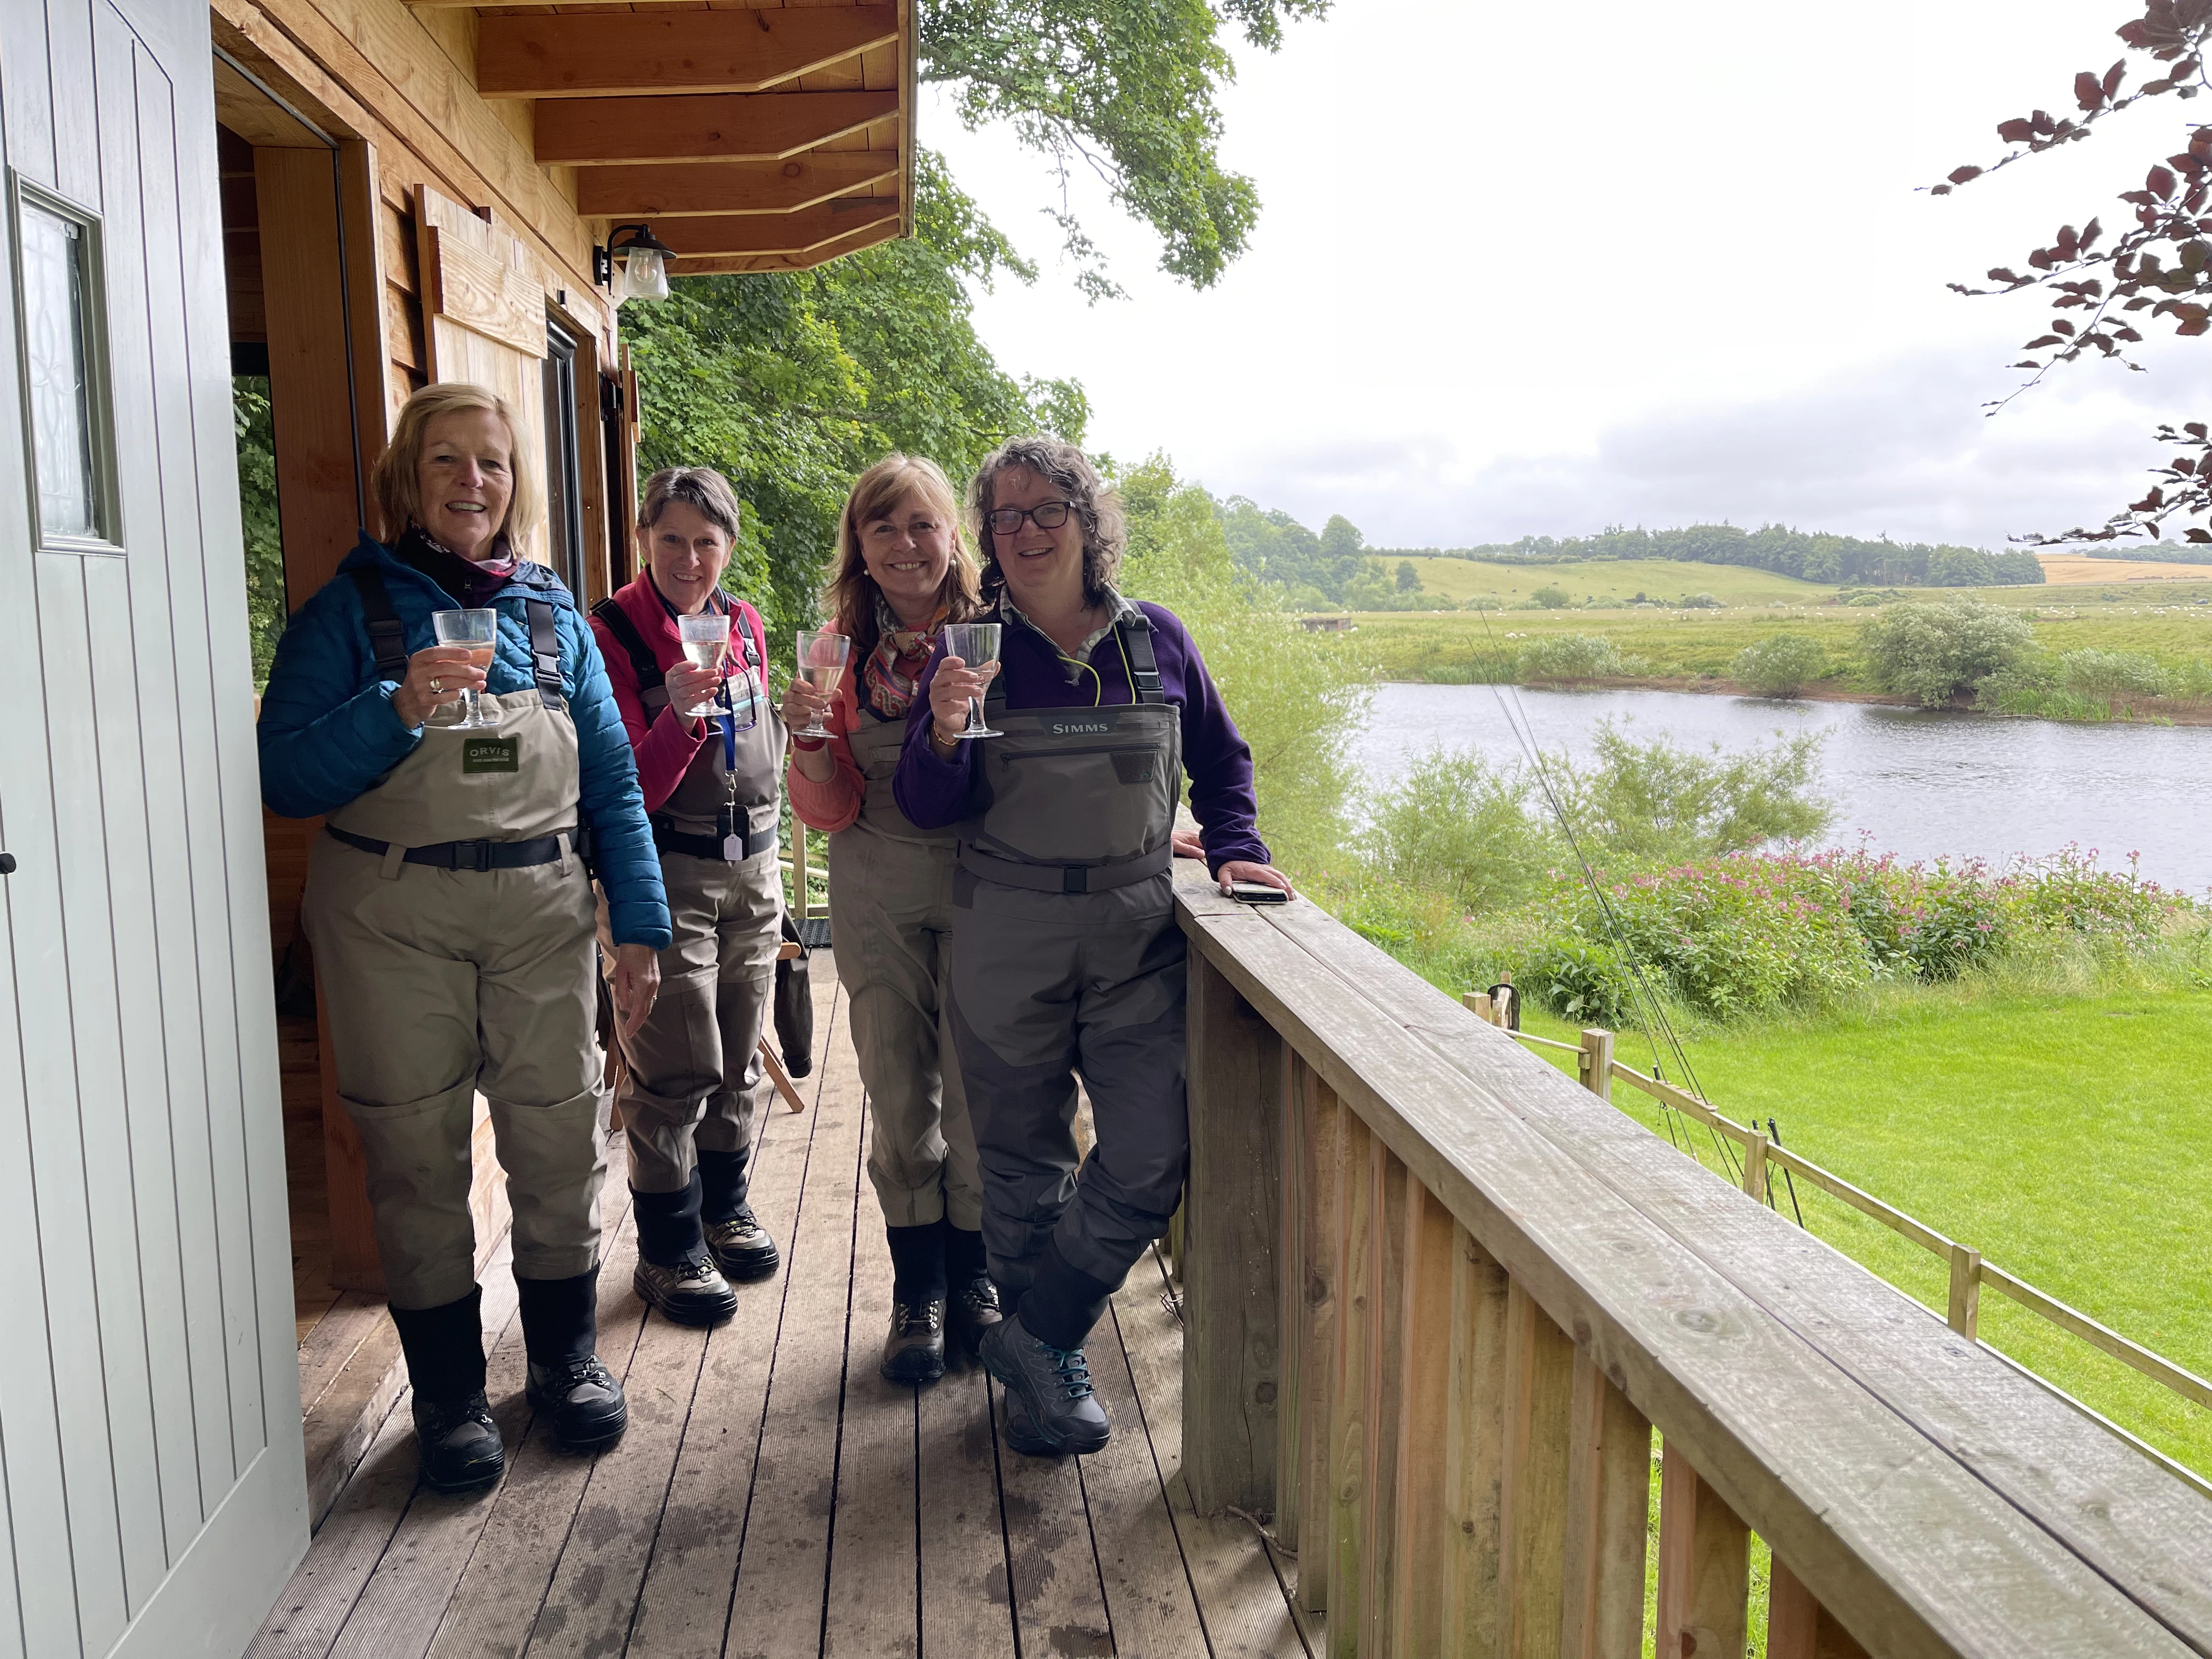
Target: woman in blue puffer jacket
(452, 915)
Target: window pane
(61, 415)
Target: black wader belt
(388, 637)
(670, 839)
(468, 855)
(1067, 878)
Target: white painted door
(150, 1421)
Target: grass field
(1661, 581)
(2070, 1142)
(1688, 646)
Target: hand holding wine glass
(706, 637)
(976, 643)
(822, 658)
(475, 633)
(438, 674)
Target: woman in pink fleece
(903, 571)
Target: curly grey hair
(1098, 508)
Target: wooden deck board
(773, 1496)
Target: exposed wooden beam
(689, 188)
(779, 233)
(724, 127)
(603, 54)
(725, 263)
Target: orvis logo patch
(1079, 726)
(491, 754)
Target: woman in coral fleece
(901, 572)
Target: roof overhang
(761, 138)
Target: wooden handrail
(1438, 1296)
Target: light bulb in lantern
(645, 274)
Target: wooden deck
(775, 1497)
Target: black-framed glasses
(729, 704)
(1047, 515)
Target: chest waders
(451, 917)
(1066, 959)
(891, 915)
(690, 1101)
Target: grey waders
(690, 1106)
(891, 915)
(1067, 959)
(451, 917)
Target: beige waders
(1066, 959)
(692, 1101)
(891, 916)
(442, 981)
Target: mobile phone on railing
(1256, 892)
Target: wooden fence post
(1608, 1500)
(1304, 1465)
(1390, 1190)
(1347, 1405)
(1705, 1566)
(1421, 1557)
(1965, 1313)
(1478, 1004)
(1754, 1165)
(1597, 1062)
(1540, 1370)
(1231, 1214)
(1474, 1449)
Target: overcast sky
(1657, 264)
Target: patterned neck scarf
(900, 655)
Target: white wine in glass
(975, 644)
(822, 660)
(476, 630)
(705, 637)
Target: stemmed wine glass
(476, 631)
(822, 658)
(976, 644)
(705, 636)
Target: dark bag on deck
(794, 1006)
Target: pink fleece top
(665, 744)
(835, 804)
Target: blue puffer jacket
(327, 729)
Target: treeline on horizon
(1810, 555)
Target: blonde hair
(1097, 506)
(706, 491)
(849, 597)
(394, 481)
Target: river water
(1922, 783)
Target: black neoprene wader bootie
(578, 1396)
(454, 1434)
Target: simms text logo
(1079, 728)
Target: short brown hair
(392, 481)
(702, 488)
(1097, 506)
(850, 595)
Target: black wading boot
(674, 1272)
(740, 1246)
(458, 1442)
(973, 1299)
(914, 1352)
(1038, 1355)
(579, 1400)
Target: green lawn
(2069, 1141)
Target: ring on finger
(437, 685)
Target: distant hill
(1809, 556)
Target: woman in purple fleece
(1066, 957)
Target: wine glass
(705, 637)
(975, 644)
(822, 658)
(475, 631)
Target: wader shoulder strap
(387, 636)
(1136, 630)
(633, 643)
(545, 652)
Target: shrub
(1548, 598)
(1780, 664)
(1457, 823)
(1658, 802)
(1701, 602)
(2115, 677)
(1574, 657)
(1933, 650)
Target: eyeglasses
(1047, 515)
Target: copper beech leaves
(2158, 262)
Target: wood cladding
(481, 293)
(733, 126)
(603, 53)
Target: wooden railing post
(1232, 1211)
(1348, 1406)
(1420, 1557)
(1314, 1154)
(1798, 1627)
(1597, 1062)
(1386, 1377)
(1704, 1566)
(1609, 1502)
(1754, 1165)
(1540, 1371)
(1966, 1311)
(1474, 1449)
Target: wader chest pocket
(490, 755)
(1134, 765)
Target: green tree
(1781, 664)
(1551, 597)
(1126, 92)
(1409, 580)
(265, 610)
(1933, 650)
(1644, 803)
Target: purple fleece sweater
(933, 793)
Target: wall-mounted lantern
(642, 273)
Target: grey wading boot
(913, 1354)
(1050, 1386)
(459, 1444)
(579, 1400)
(689, 1293)
(974, 1310)
(741, 1247)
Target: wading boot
(1049, 1386)
(974, 1310)
(913, 1354)
(581, 1401)
(689, 1293)
(741, 1247)
(459, 1444)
